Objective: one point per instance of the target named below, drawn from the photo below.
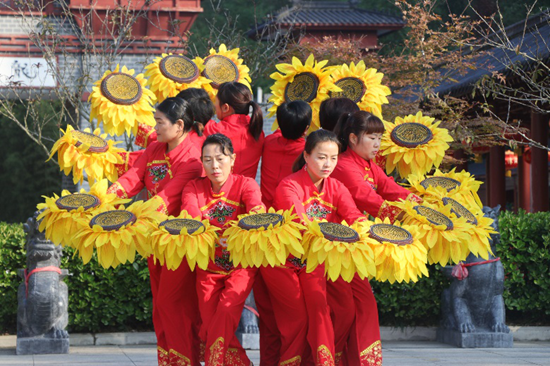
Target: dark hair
(332, 109)
(221, 140)
(312, 141)
(177, 108)
(293, 119)
(239, 97)
(358, 123)
(201, 105)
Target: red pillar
(524, 183)
(497, 177)
(539, 162)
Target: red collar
(241, 119)
(226, 188)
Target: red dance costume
(334, 204)
(175, 309)
(222, 289)
(248, 150)
(146, 135)
(278, 156)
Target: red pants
(289, 309)
(364, 347)
(221, 302)
(270, 337)
(342, 310)
(175, 314)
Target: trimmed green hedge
(120, 299)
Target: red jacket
(370, 187)
(278, 156)
(248, 150)
(146, 136)
(163, 175)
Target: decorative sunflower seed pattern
(304, 87)
(338, 232)
(352, 88)
(411, 135)
(390, 233)
(121, 88)
(77, 200)
(435, 217)
(175, 226)
(113, 220)
(96, 143)
(460, 210)
(179, 69)
(444, 182)
(261, 220)
(220, 69)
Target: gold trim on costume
(177, 359)
(118, 189)
(372, 356)
(163, 357)
(324, 357)
(216, 353)
(209, 204)
(294, 361)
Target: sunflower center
(220, 69)
(411, 135)
(175, 226)
(113, 220)
(390, 233)
(303, 87)
(434, 217)
(96, 143)
(460, 210)
(77, 200)
(352, 88)
(338, 232)
(121, 88)
(440, 182)
(179, 69)
(261, 220)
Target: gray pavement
(395, 353)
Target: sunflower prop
(183, 236)
(59, 215)
(169, 74)
(221, 67)
(399, 255)
(414, 144)
(444, 235)
(362, 85)
(343, 249)
(83, 151)
(118, 234)
(120, 100)
(309, 82)
(266, 238)
(461, 186)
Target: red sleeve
(131, 183)
(386, 186)
(129, 158)
(145, 136)
(190, 199)
(288, 195)
(251, 196)
(171, 192)
(366, 199)
(347, 209)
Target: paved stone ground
(395, 353)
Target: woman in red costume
(360, 134)
(222, 289)
(315, 195)
(164, 169)
(233, 103)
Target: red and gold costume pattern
(146, 136)
(248, 150)
(175, 309)
(222, 288)
(370, 187)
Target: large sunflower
(461, 186)
(223, 66)
(445, 236)
(262, 239)
(169, 74)
(414, 144)
(120, 100)
(184, 236)
(343, 249)
(399, 254)
(83, 151)
(362, 85)
(118, 234)
(60, 214)
(309, 82)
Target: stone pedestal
(42, 345)
(249, 340)
(479, 339)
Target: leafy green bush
(525, 253)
